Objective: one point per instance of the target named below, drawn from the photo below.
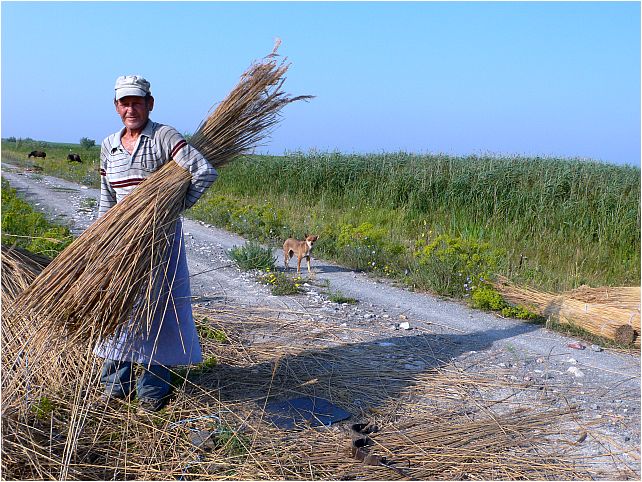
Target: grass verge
(29, 229)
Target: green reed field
(435, 222)
(553, 224)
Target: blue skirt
(171, 338)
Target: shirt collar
(148, 131)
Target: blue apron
(172, 338)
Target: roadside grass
(29, 229)
(553, 224)
(56, 164)
(252, 256)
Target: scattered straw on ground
(19, 268)
(437, 420)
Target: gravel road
(604, 384)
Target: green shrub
(338, 297)
(486, 298)
(365, 247)
(455, 266)
(280, 283)
(87, 143)
(252, 256)
(231, 441)
(206, 332)
(180, 374)
(43, 409)
(520, 312)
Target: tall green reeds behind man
(551, 223)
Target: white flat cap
(131, 85)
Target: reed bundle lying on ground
(609, 312)
(93, 286)
(19, 268)
(442, 422)
(625, 297)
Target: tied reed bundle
(90, 288)
(610, 312)
(112, 272)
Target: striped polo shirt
(121, 172)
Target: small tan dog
(300, 248)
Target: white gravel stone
(576, 372)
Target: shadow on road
(378, 370)
(317, 268)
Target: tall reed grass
(558, 223)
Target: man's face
(134, 111)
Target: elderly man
(126, 159)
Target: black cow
(37, 154)
(74, 158)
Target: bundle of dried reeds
(625, 297)
(90, 288)
(245, 117)
(19, 268)
(612, 312)
(112, 272)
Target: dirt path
(605, 384)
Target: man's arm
(107, 194)
(186, 156)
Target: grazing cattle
(74, 158)
(37, 154)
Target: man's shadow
(372, 372)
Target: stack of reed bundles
(609, 312)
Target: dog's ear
(306, 235)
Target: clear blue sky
(550, 78)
